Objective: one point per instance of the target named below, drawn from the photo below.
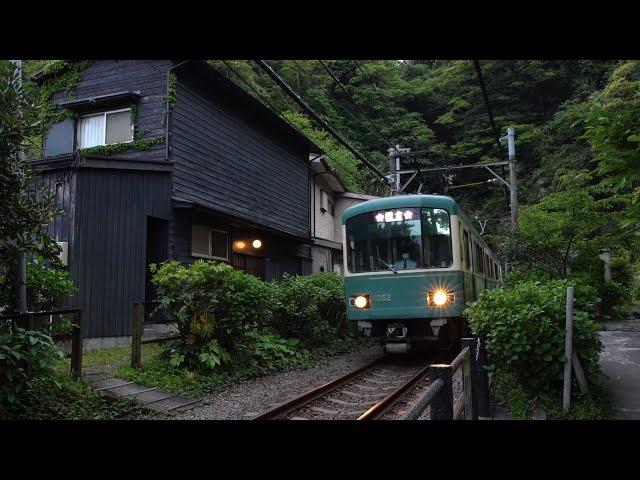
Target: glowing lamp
(240, 244)
(440, 297)
(360, 301)
(256, 244)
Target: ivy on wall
(170, 97)
(140, 144)
(64, 76)
(61, 76)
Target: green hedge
(311, 308)
(525, 329)
(218, 309)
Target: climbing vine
(170, 97)
(60, 76)
(64, 76)
(140, 144)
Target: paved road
(620, 362)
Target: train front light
(360, 301)
(440, 298)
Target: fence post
(568, 344)
(442, 404)
(475, 374)
(136, 335)
(479, 377)
(76, 345)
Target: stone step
(150, 397)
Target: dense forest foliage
(576, 125)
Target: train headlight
(360, 301)
(440, 298)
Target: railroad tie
(324, 411)
(361, 395)
(347, 404)
(388, 382)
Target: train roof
(402, 201)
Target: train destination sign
(394, 216)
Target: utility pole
(21, 261)
(513, 189)
(393, 166)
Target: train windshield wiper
(387, 265)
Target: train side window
(465, 241)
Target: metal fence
(28, 320)
(473, 403)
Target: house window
(105, 128)
(209, 242)
(326, 204)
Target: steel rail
(313, 394)
(390, 400)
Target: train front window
(401, 239)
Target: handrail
(473, 401)
(457, 362)
(424, 400)
(9, 316)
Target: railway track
(380, 390)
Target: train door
(467, 269)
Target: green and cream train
(411, 263)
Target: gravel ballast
(253, 397)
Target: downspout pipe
(167, 133)
(312, 192)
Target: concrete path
(620, 362)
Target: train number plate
(383, 297)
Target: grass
(111, 358)
(157, 372)
(508, 392)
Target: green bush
(47, 287)
(60, 397)
(218, 308)
(269, 351)
(525, 330)
(24, 355)
(311, 308)
(213, 305)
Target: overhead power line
(266, 102)
(296, 98)
(487, 105)
(346, 92)
(315, 82)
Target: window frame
(104, 130)
(210, 238)
(348, 252)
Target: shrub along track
(382, 389)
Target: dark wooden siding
(109, 259)
(63, 184)
(106, 77)
(236, 168)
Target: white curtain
(91, 131)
